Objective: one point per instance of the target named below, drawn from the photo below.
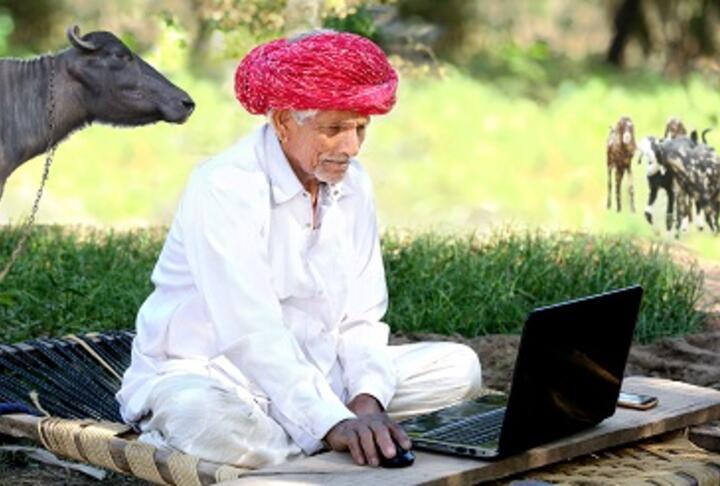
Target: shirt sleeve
(224, 217)
(363, 351)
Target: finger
(353, 443)
(400, 435)
(367, 441)
(383, 439)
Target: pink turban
(324, 71)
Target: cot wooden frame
(681, 406)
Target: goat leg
(703, 214)
(681, 211)
(669, 210)
(652, 183)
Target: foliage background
(504, 121)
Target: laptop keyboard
(475, 430)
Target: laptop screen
(569, 368)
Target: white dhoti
(199, 415)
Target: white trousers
(198, 415)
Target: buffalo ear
(85, 73)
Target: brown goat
(674, 128)
(620, 150)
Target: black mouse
(403, 458)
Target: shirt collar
(283, 181)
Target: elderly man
(263, 339)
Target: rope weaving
(141, 459)
(36, 401)
(226, 473)
(58, 436)
(184, 469)
(72, 377)
(95, 355)
(73, 382)
(75, 379)
(95, 443)
(102, 444)
(675, 462)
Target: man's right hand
(366, 437)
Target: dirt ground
(693, 359)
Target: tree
(35, 22)
(676, 31)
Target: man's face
(320, 148)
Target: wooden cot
(112, 446)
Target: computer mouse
(403, 458)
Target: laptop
(567, 378)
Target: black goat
(695, 175)
(660, 178)
(97, 79)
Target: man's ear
(281, 120)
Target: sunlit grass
(474, 285)
(82, 279)
(457, 153)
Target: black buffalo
(96, 79)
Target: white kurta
(247, 288)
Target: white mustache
(336, 161)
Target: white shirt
(244, 284)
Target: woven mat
(667, 461)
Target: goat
(674, 128)
(96, 79)
(695, 171)
(657, 177)
(620, 150)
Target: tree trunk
(625, 16)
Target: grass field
(477, 146)
(80, 280)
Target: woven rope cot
(113, 446)
(70, 384)
(670, 461)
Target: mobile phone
(636, 401)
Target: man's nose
(350, 143)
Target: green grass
(80, 280)
(515, 138)
(473, 286)
(519, 141)
(75, 281)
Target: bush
(359, 22)
(75, 280)
(456, 18)
(471, 286)
(80, 280)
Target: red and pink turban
(323, 71)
